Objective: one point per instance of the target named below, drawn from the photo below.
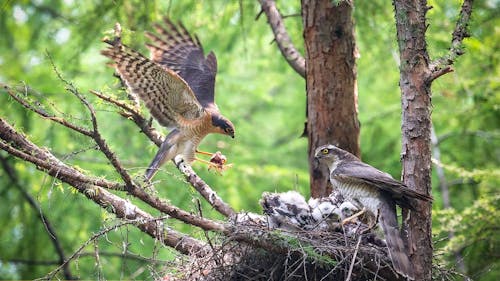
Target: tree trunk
(332, 115)
(416, 127)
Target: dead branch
(444, 64)
(288, 50)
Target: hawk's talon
(351, 218)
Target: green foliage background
(264, 98)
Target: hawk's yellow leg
(351, 218)
(204, 152)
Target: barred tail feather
(395, 245)
(166, 152)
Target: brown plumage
(377, 193)
(177, 87)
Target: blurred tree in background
(265, 99)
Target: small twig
(353, 261)
(288, 50)
(94, 237)
(41, 112)
(132, 113)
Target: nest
(295, 240)
(289, 255)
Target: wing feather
(174, 48)
(167, 96)
(365, 174)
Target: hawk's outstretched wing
(357, 171)
(176, 49)
(167, 96)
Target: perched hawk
(374, 192)
(177, 86)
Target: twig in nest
(353, 260)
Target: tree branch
(132, 113)
(123, 209)
(48, 163)
(288, 50)
(17, 145)
(443, 65)
(38, 110)
(204, 189)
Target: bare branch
(132, 113)
(17, 145)
(288, 50)
(120, 207)
(443, 65)
(48, 163)
(204, 189)
(96, 135)
(25, 103)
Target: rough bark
(330, 83)
(416, 128)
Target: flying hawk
(177, 86)
(374, 192)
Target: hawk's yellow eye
(325, 150)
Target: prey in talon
(217, 161)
